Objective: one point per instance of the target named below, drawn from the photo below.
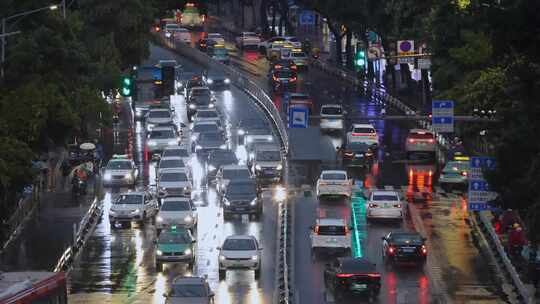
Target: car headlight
(211, 106)
(150, 126)
(128, 176)
(210, 81)
(198, 147)
(112, 212)
(107, 176)
(222, 258)
(188, 252)
(152, 143)
(223, 147)
(168, 35)
(269, 138)
(255, 258)
(188, 219)
(227, 80)
(226, 202)
(241, 132)
(249, 139)
(193, 137)
(159, 219)
(279, 167)
(173, 142)
(136, 211)
(211, 168)
(192, 106)
(258, 167)
(253, 202)
(138, 113)
(159, 252)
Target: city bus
(27, 287)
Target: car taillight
(431, 140)
(464, 173)
(411, 140)
(293, 79)
(373, 206)
(391, 250)
(424, 250)
(344, 275)
(317, 229)
(397, 206)
(293, 67)
(374, 275)
(278, 66)
(157, 29)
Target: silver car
(133, 207)
(190, 290)
(177, 151)
(120, 171)
(174, 182)
(158, 116)
(332, 118)
(160, 138)
(267, 163)
(170, 162)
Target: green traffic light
(127, 81)
(126, 92)
(362, 54)
(360, 62)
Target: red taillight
(317, 229)
(278, 66)
(464, 173)
(391, 250)
(293, 67)
(293, 79)
(373, 206)
(157, 29)
(411, 140)
(344, 275)
(431, 140)
(424, 250)
(397, 206)
(374, 275)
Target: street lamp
(22, 14)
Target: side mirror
(218, 248)
(165, 295)
(194, 241)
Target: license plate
(241, 209)
(408, 250)
(359, 286)
(268, 171)
(386, 206)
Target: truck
(33, 287)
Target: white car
(174, 31)
(332, 117)
(334, 183)
(247, 38)
(421, 141)
(157, 117)
(384, 205)
(331, 235)
(217, 38)
(240, 252)
(264, 45)
(160, 138)
(207, 115)
(364, 133)
(133, 206)
(178, 151)
(228, 173)
(120, 171)
(170, 162)
(174, 182)
(176, 211)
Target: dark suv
(242, 197)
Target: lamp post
(22, 14)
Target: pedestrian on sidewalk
(516, 240)
(509, 218)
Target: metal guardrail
(283, 291)
(239, 79)
(502, 258)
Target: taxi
(455, 174)
(175, 245)
(299, 58)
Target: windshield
(334, 176)
(188, 291)
(220, 52)
(358, 147)
(175, 152)
(159, 114)
(239, 244)
(421, 135)
(129, 200)
(332, 111)
(201, 128)
(456, 167)
(407, 238)
(171, 163)
(210, 137)
(119, 165)
(176, 206)
(195, 83)
(244, 188)
(223, 157)
(207, 114)
(236, 174)
(385, 197)
(173, 177)
(172, 27)
(364, 130)
(162, 134)
(250, 35)
(268, 156)
(174, 237)
(332, 230)
(200, 92)
(299, 54)
(283, 74)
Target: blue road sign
(443, 104)
(478, 206)
(478, 185)
(480, 163)
(298, 117)
(441, 120)
(307, 18)
(442, 112)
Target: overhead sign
(442, 116)
(307, 18)
(405, 47)
(479, 190)
(424, 63)
(298, 117)
(374, 53)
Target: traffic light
(127, 86)
(360, 59)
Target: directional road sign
(442, 112)
(307, 18)
(298, 117)
(480, 163)
(479, 190)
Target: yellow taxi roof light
(462, 158)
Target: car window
(210, 137)
(332, 230)
(358, 147)
(407, 239)
(129, 200)
(334, 176)
(162, 134)
(385, 197)
(421, 135)
(284, 74)
(159, 114)
(268, 156)
(207, 114)
(299, 54)
(363, 130)
(176, 206)
(174, 237)
(236, 174)
(171, 163)
(223, 157)
(119, 165)
(239, 244)
(175, 152)
(173, 177)
(189, 291)
(200, 128)
(331, 111)
(198, 92)
(247, 188)
(250, 35)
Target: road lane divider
(358, 220)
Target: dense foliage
(55, 71)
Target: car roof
(357, 265)
(363, 126)
(175, 148)
(330, 222)
(162, 128)
(159, 110)
(172, 158)
(176, 199)
(235, 167)
(385, 192)
(333, 172)
(241, 237)
(405, 233)
(243, 182)
(299, 95)
(205, 122)
(420, 131)
(189, 280)
(133, 193)
(267, 147)
(174, 170)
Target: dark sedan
(404, 247)
(357, 154)
(219, 158)
(351, 276)
(242, 197)
(208, 142)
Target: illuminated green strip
(358, 214)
